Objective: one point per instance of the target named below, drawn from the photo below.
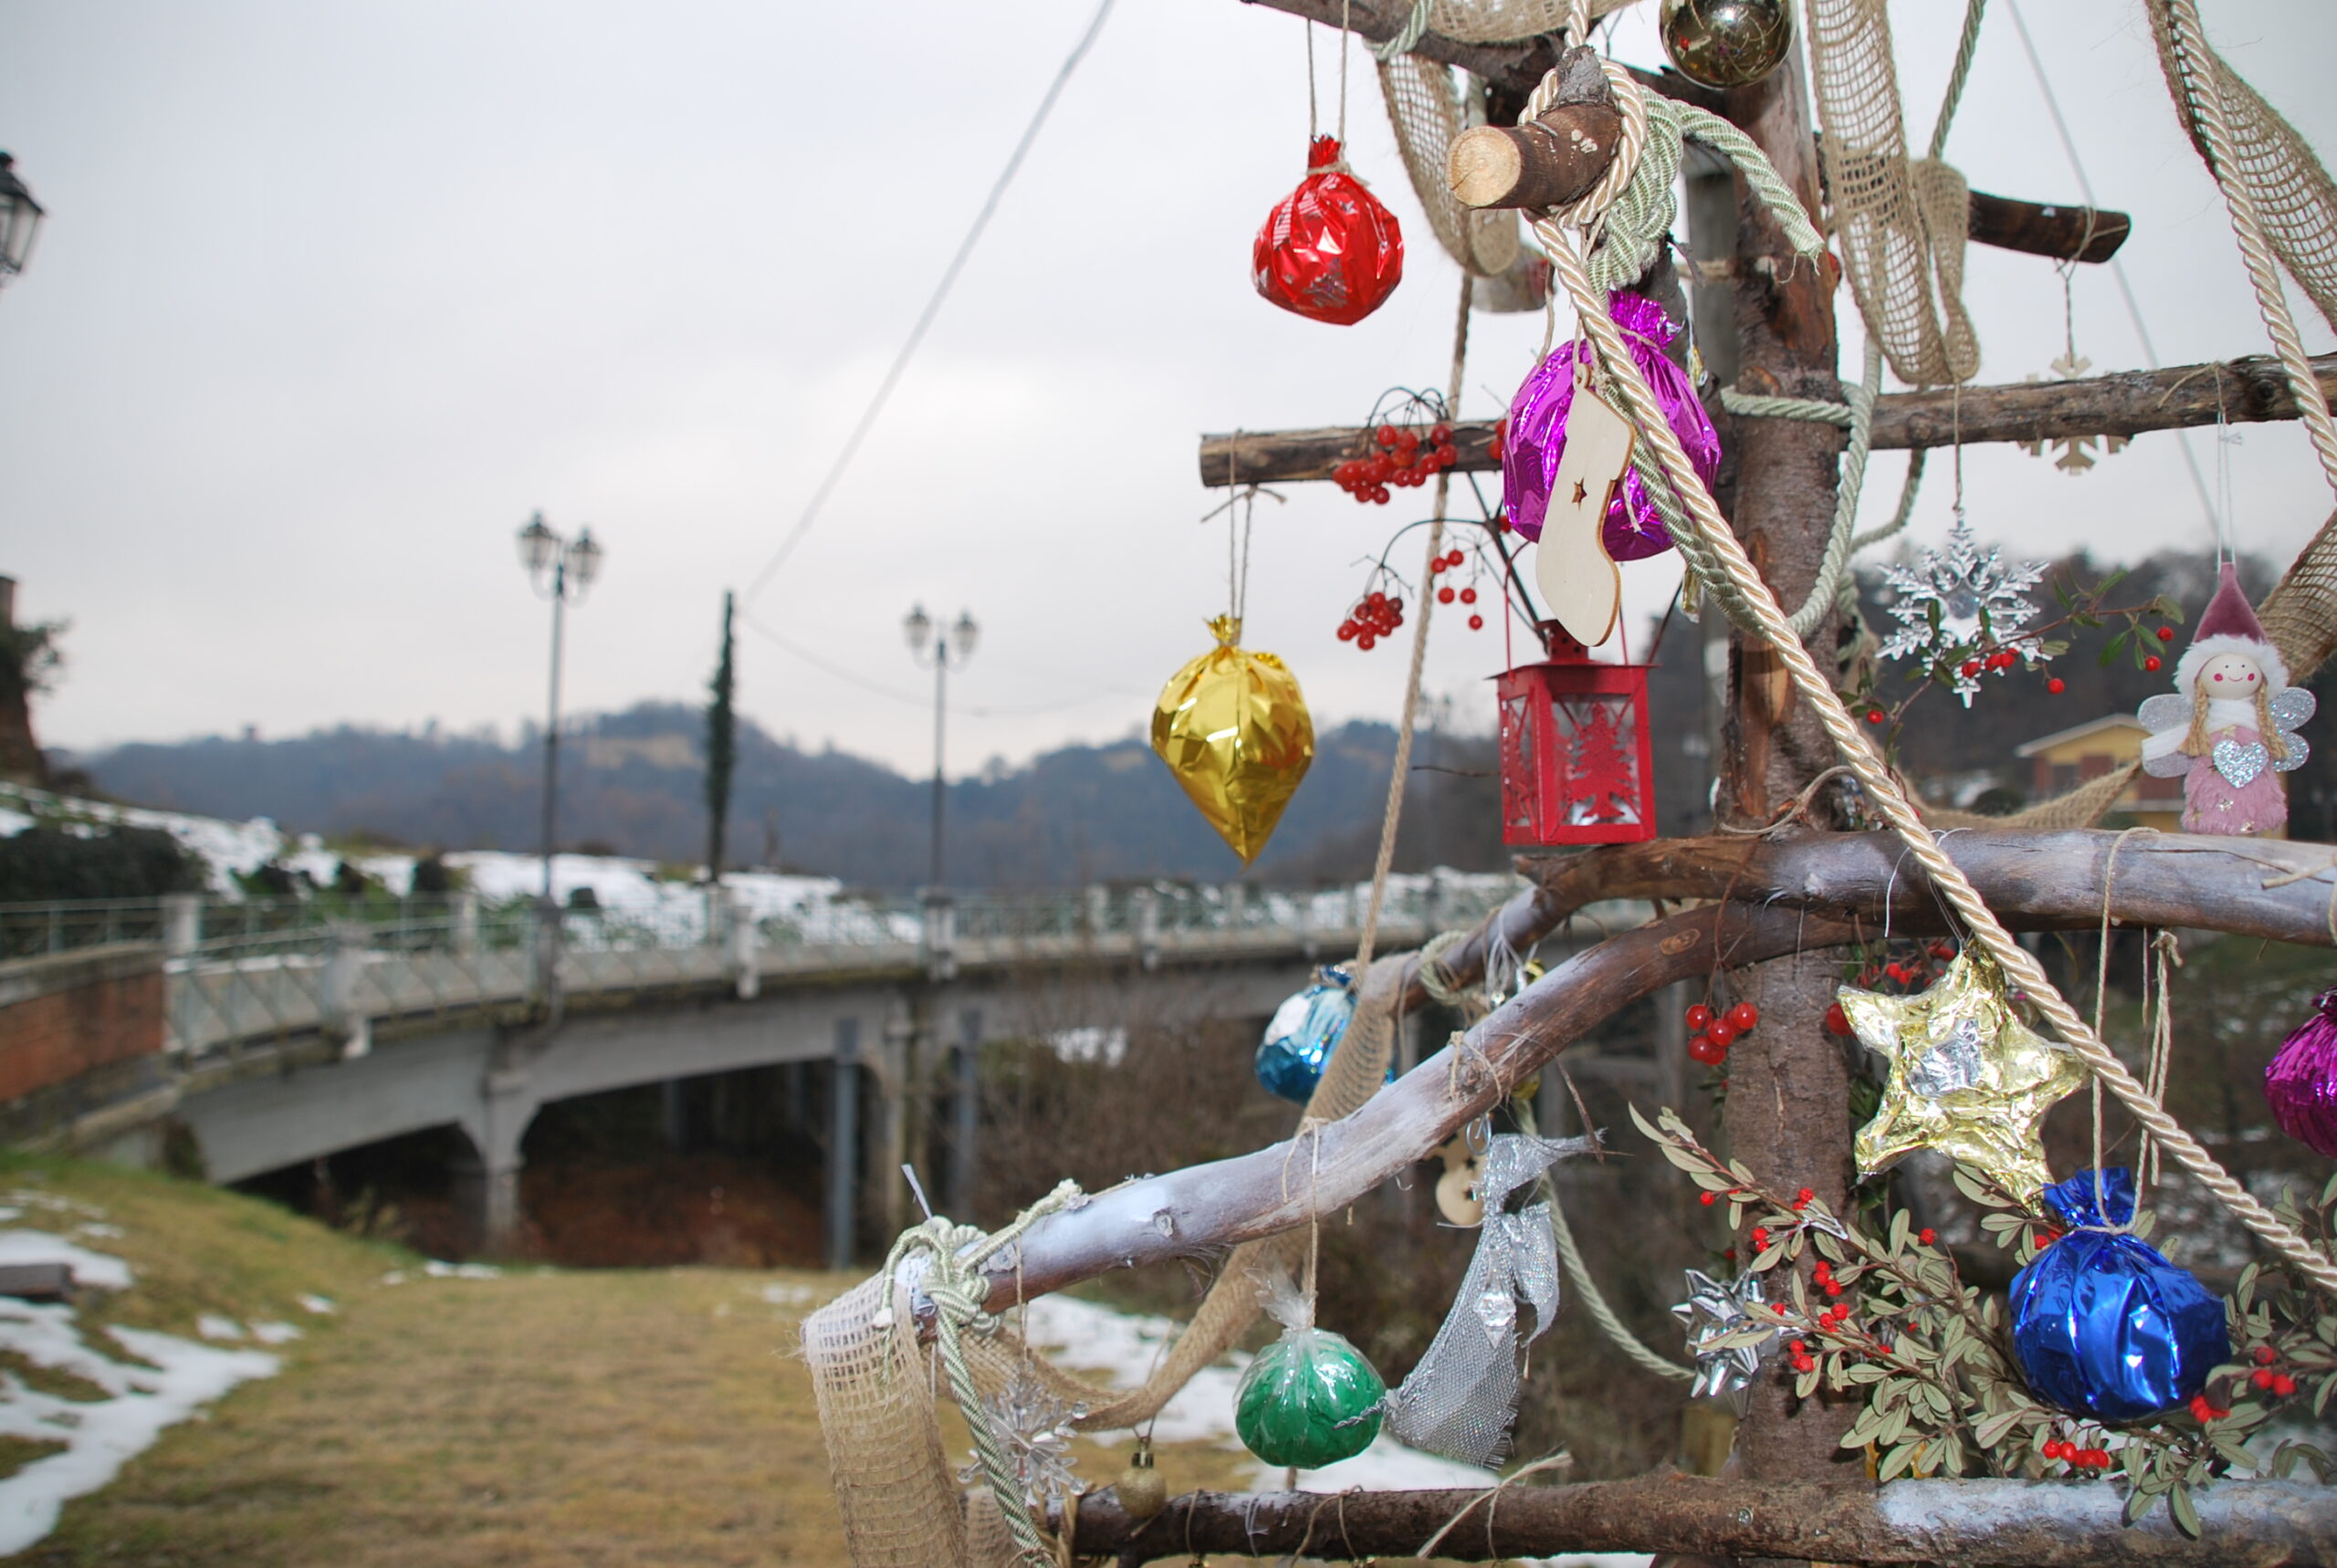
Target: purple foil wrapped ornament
(2302, 1082)
(1538, 432)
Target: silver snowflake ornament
(1034, 1426)
(1972, 591)
(1726, 1340)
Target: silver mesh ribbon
(1462, 1396)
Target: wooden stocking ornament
(1577, 578)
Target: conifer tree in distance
(721, 750)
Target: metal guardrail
(261, 971)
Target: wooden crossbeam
(1512, 71)
(2251, 390)
(2045, 1524)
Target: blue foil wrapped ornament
(2103, 1324)
(1303, 1032)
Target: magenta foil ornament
(2302, 1082)
(1538, 432)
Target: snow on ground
(98, 1437)
(1083, 1336)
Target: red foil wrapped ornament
(1329, 251)
(2302, 1082)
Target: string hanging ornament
(1330, 250)
(1232, 724)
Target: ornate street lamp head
(538, 547)
(20, 218)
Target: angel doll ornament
(2229, 724)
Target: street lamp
(561, 570)
(20, 218)
(948, 643)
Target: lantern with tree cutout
(1575, 760)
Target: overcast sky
(334, 295)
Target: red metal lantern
(1576, 764)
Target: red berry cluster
(1446, 593)
(2263, 1379)
(1376, 615)
(2002, 659)
(1406, 458)
(1710, 1034)
(2069, 1453)
(1908, 976)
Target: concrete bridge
(289, 1038)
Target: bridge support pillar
(505, 1107)
(843, 1143)
(965, 1115)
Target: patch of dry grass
(557, 1419)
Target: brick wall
(70, 1013)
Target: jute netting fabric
(876, 1385)
(1899, 225)
(1426, 108)
(2294, 199)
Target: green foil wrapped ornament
(1310, 1399)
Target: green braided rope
(1406, 36)
(1956, 77)
(953, 1283)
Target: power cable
(2117, 268)
(932, 308)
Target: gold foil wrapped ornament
(1233, 728)
(1967, 1077)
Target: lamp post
(561, 570)
(948, 643)
(20, 218)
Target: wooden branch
(1512, 71)
(1208, 1208)
(2043, 1524)
(2252, 390)
(2273, 889)
(1545, 162)
(2036, 228)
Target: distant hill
(631, 783)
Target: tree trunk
(1786, 1114)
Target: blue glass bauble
(2103, 1324)
(1303, 1032)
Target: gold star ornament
(1967, 1077)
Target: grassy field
(604, 1418)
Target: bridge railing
(285, 968)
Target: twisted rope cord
(1396, 780)
(953, 1283)
(1957, 76)
(2204, 90)
(1883, 790)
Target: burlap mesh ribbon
(1428, 109)
(2294, 199)
(1900, 223)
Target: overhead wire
(924, 320)
(2117, 268)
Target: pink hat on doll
(2228, 625)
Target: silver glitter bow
(1727, 1341)
(1462, 1397)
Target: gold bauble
(1967, 1077)
(1727, 43)
(1233, 729)
(1142, 1489)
